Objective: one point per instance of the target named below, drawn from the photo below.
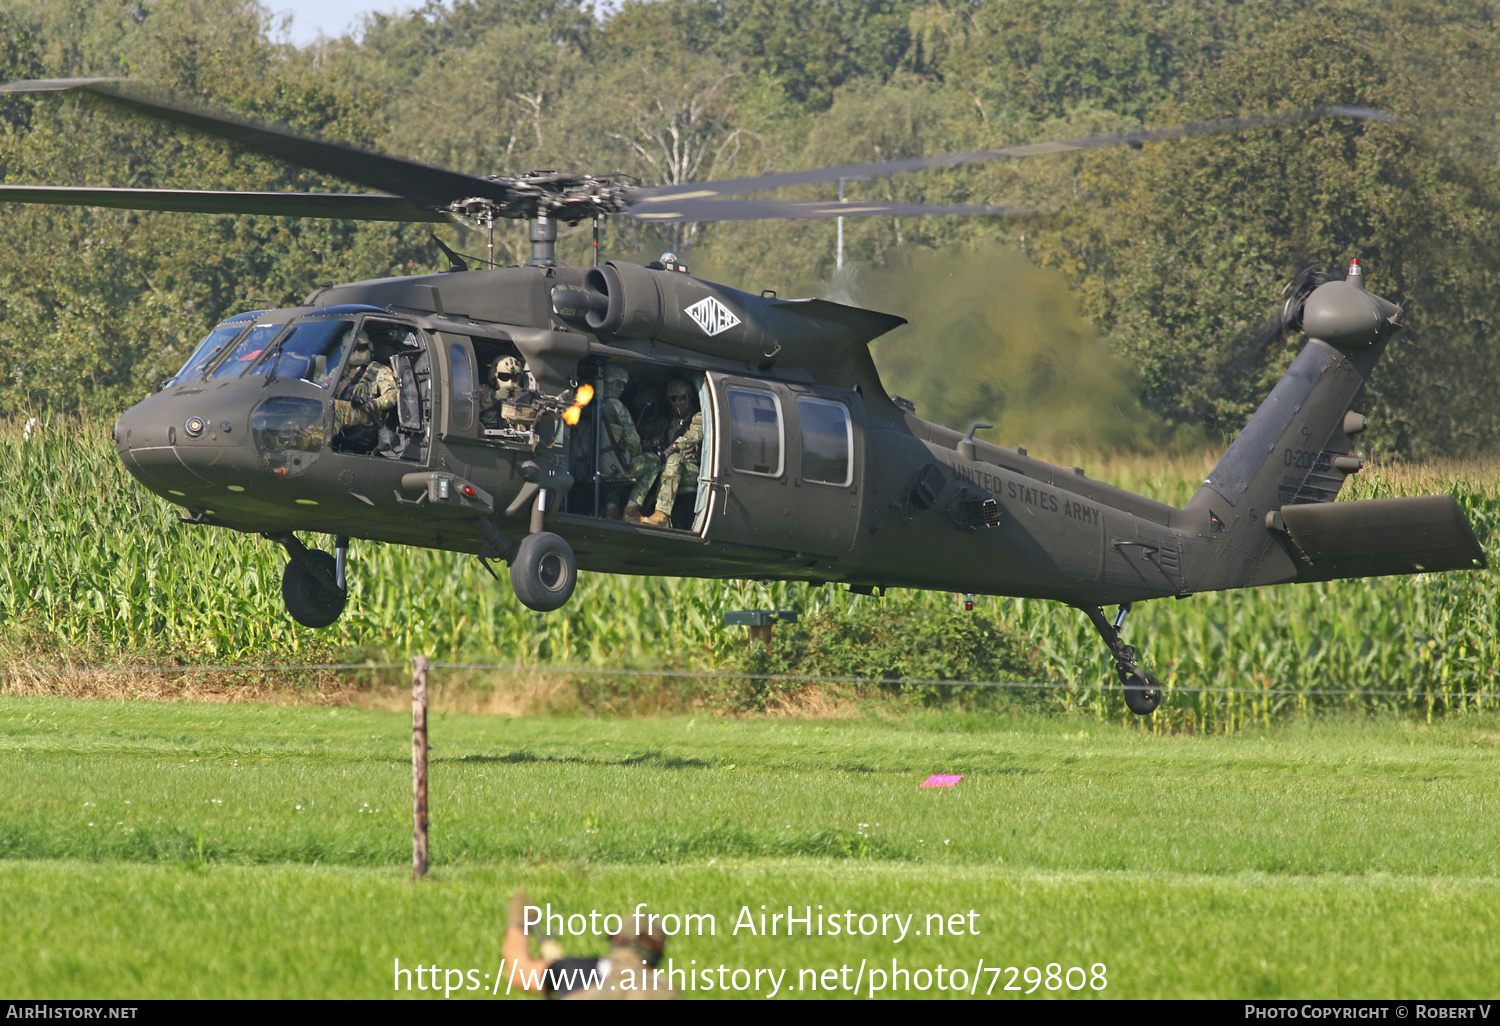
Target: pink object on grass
(940, 780)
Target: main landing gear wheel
(1142, 690)
(544, 571)
(309, 599)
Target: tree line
(1116, 312)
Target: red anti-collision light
(469, 490)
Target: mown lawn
(152, 849)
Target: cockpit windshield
(312, 352)
(249, 347)
(209, 348)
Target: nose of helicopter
(172, 449)
(146, 440)
(225, 448)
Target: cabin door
(788, 468)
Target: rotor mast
(543, 232)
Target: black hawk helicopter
(807, 469)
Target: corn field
(97, 570)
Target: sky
(331, 17)
(335, 17)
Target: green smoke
(994, 338)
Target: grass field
(157, 849)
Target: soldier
(651, 419)
(681, 458)
(507, 377)
(368, 394)
(652, 425)
(622, 456)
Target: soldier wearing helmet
(506, 381)
(505, 376)
(369, 393)
(680, 459)
(622, 457)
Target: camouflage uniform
(366, 397)
(622, 443)
(622, 456)
(680, 467)
(490, 401)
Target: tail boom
(1266, 514)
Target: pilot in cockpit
(368, 394)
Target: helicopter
(807, 470)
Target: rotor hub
(554, 195)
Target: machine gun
(530, 417)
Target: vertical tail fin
(1295, 449)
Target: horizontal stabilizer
(1379, 537)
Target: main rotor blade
(758, 210)
(732, 186)
(353, 206)
(418, 182)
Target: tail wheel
(544, 571)
(310, 601)
(1142, 691)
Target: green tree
(1186, 249)
(99, 304)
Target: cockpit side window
(246, 351)
(388, 333)
(313, 352)
(209, 348)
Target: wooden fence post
(419, 767)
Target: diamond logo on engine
(712, 316)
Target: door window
(463, 385)
(827, 439)
(754, 432)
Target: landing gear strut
(1142, 690)
(312, 585)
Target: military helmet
(615, 378)
(361, 354)
(679, 389)
(647, 395)
(506, 372)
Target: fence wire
(792, 678)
